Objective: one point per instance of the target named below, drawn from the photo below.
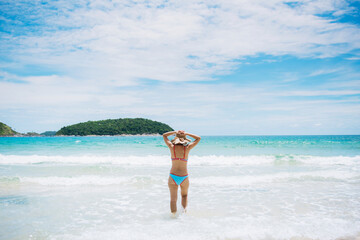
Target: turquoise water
(241, 187)
(210, 145)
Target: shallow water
(246, 187)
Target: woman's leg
(173, 187)
(184, 192)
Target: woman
(179, 149)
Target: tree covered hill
(119, 126)
(5, 130)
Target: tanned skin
(179, 167)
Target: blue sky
(213, 68)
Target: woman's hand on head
(181, 132)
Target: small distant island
(121, 126)
(5, 130)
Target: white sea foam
(96, 180)
(87, 195)
(231, 228)
(163, 160)
(93, 180)
(69, 181)
(325, 176)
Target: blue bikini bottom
(178, 179)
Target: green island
(5, 130)
(121, 126)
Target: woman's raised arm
(169, 133)
(196, 137)
(167, 141)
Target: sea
(241, 187)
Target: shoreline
(118, 135)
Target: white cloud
(125, 41)
(59, 92)
(225, 108)
(353, 58)
(325, 71)
(320, 93)
(100, 52)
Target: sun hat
(181, 141)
